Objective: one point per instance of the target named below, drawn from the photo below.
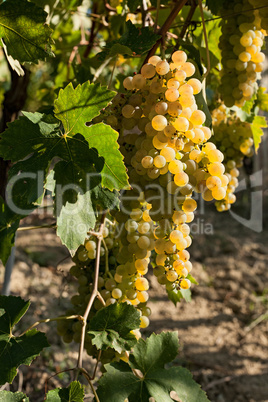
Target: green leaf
(15, 351)
(120, 49)
(214, 6)
(111, 326)
(9, 223)
(149, 357)
(262, 99)
(177, 295)
(192, 279)
(33, 141)
(258, 123)
(138, 40)
(14, 308)
(74, 221)
(7, 396)
(2, 312)
(202, 105)
(133, 5)
(74, 393)
(23, 28)
(75, 107)
(248, 106)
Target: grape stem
(53, 225)
(94, 294)
(71, 317)
(165, 27)
(106, 257)
(206, 39)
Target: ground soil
(222, 331)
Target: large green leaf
(7, 396)
(23, 29)
(15, 351)
(122, 381)
(86, 160)
(74, 393)
(258, 123)
(111, 326)
(75, 107)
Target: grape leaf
(138, 40)
(214, 6)
(23, 29)
(248, 106)
(262, 99)
(111, 326)
(177, 295)
(192, 279)
(7, 396)
(81, 163)
(74, 393)
(75, 107)
(258, 123)
(133, 5)
(15, 351)
(149, 357)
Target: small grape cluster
(234, 139)
(242, 60)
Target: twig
(258, 320)
(187, 22)
(173, 14)
(70, 317)
(156, 16)
(96, 365)
(112, 74)
(106, 256)
(93, 33)
(220, 381)
(144, 10)
(206, 39)
(94, 294)
(53, 225)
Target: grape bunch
(234, 139)
(169, 157)
(242, 60)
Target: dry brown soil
(222, 332)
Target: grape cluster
(234, 139)
(168, 156)
(261, 14)
(242, 60)
(167, 153)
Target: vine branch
(94, 294)
(187, 22)
(163, 30)
(71, 317)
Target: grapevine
(127, 168)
